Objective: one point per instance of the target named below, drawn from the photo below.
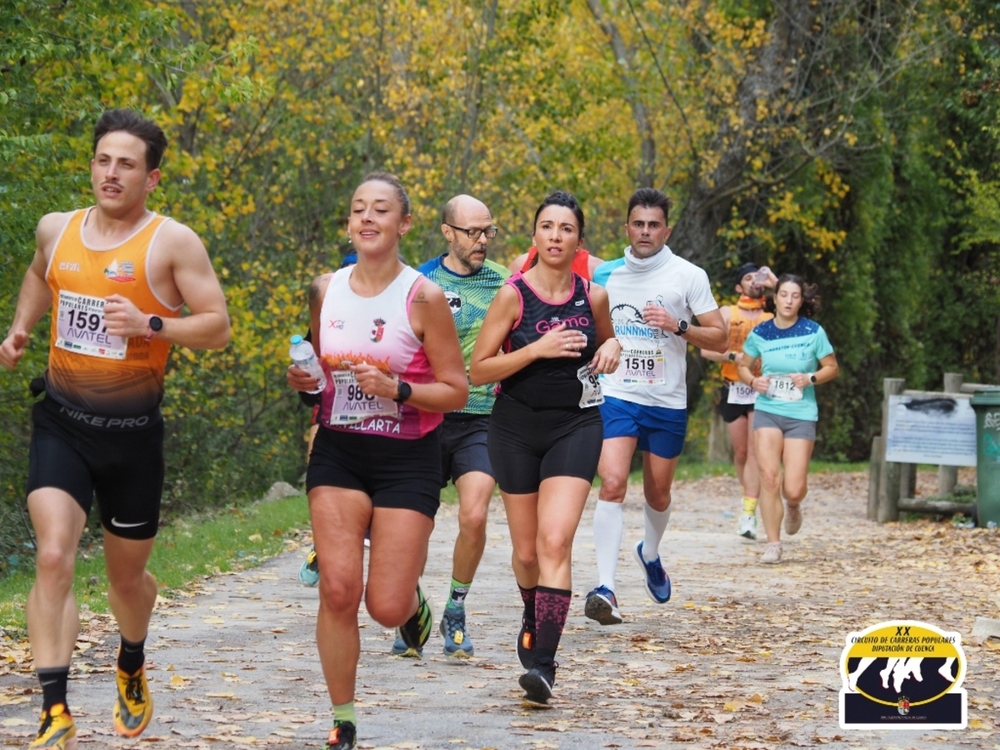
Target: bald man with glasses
(470, 281)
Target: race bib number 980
(351, 404)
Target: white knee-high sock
(656, 525)
(608, 526)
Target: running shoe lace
(133, 689)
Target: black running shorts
(731, 412)
(463, 447)
(528, 445)
(117, 459)
(394, 473)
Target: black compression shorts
(117, 459)
(528, 445)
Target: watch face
(156, 323)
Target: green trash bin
(987, 407)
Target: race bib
(642, 366)
(80, 327)
(741, 393)
(351, 404)
(591, 395)
(782, 388)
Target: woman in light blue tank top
(795, 356)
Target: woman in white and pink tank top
(387, 340)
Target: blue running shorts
(660, 430)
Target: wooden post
(907, 480)
(948, 475)
(719, 447)
(874, 472)
(889, 479)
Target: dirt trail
(743, 656)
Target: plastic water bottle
(304, 357)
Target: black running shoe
(537, 683)
(417, 629)
(343, 736)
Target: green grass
(692, 470)
(185, 551)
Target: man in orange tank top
(117, 277)
(736, 400)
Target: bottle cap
(296, 339)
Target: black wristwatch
(155, 324)
(812, 378)
(682, 327)
(403, 392)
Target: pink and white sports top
(375, 330)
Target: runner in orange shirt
(117, 277)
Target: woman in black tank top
(545, 437)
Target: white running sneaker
(772, 554)
(748, 526)
(793, 519)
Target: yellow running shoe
(57, 730)
(134, 706)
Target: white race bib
(352, 405)
(80, 327)
(591, 395)
(741, 393)
(641, 366)
(782, 388)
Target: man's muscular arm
(207, 325)
(35, 297)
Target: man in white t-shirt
(655, 297)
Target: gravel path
(743, 656)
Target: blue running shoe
(657, 580)
(399, 648)
(309, 572)
(456, 642)
(602, 606)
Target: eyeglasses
(475, 233)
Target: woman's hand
(374, 382)
(607, 357)
(558, 342)
(300, 380)
(761, 383)
(801, 380)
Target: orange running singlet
(739, 329)
(89, 369)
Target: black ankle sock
(131, 656)
(53, 681)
